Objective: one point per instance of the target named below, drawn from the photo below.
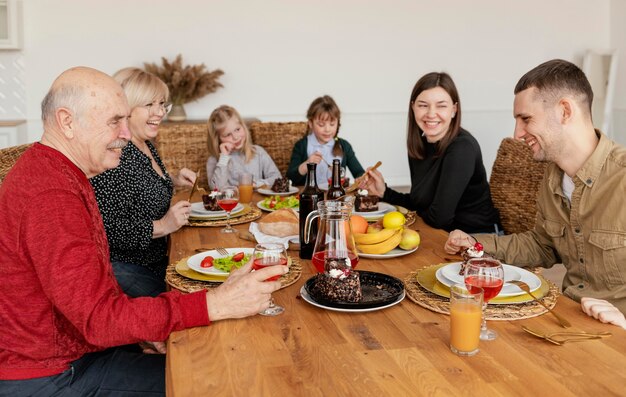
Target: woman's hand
(175, 218)
(603, 310)
(457, 241)
(226, 148)
(374, 182)
(185, 178)
(244, 293)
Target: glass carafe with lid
(334, 245)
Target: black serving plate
(378, 290)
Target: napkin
(266, 238)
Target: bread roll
(280, 223)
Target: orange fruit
(358, 223)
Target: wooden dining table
(401, 350)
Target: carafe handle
(307, 225)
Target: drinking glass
(269, 254)
(245, 188)
(227, 199)
(465, 319)
(488, 274)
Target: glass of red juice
(269, 254)
(486, 274)
(227, 199)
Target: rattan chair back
(9, 156)
(278, 140)
(184, 145)
(514, 184)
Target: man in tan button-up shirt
(581, 218)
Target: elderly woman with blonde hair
(135, 197)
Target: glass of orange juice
(245, 188)
(465, 319)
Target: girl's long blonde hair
(215, 125)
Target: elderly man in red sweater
(62, 313)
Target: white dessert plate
(198, 211)
(383, 208)
(394, 253)
(194, 261)
(270, 192)
(309, 300)
(510, 273)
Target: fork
(524, 287)
(222, 251)
(560, 338)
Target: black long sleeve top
(450, 191)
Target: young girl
(232, 153)
(322, 145)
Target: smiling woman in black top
(449, 187)
(134, 198)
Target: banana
(373, 238)
(384, 246)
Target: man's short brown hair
(555, 78)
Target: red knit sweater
(58, 296)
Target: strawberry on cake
(476, 251)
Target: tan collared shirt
(587, 235)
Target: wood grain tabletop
(402, 350)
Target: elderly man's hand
(603, 311)
(457, 241)
(244, 293)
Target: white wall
(278, 55)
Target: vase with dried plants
(186, 83)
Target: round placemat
(254, 214)
(185, 284)
(518, 311)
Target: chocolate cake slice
(281, 185)
(339, 283)
(475, 251)
(365, 202)
(210, 202)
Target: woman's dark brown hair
(325, 107)
(414, 139)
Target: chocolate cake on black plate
(281, 185)
(365, 202)
(339, 283)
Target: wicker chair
(514, 184)
(278, 140)
(183, 145)
(9, 156)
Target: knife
(195, 185)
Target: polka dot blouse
(130, 197)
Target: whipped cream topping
(362, 192)
(474, 253)
(336, 273)
(213, 194)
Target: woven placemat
(518, 311)
(254, 214)
(188, 285)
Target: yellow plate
(246, 210)
(427, 279)
(185, 271)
